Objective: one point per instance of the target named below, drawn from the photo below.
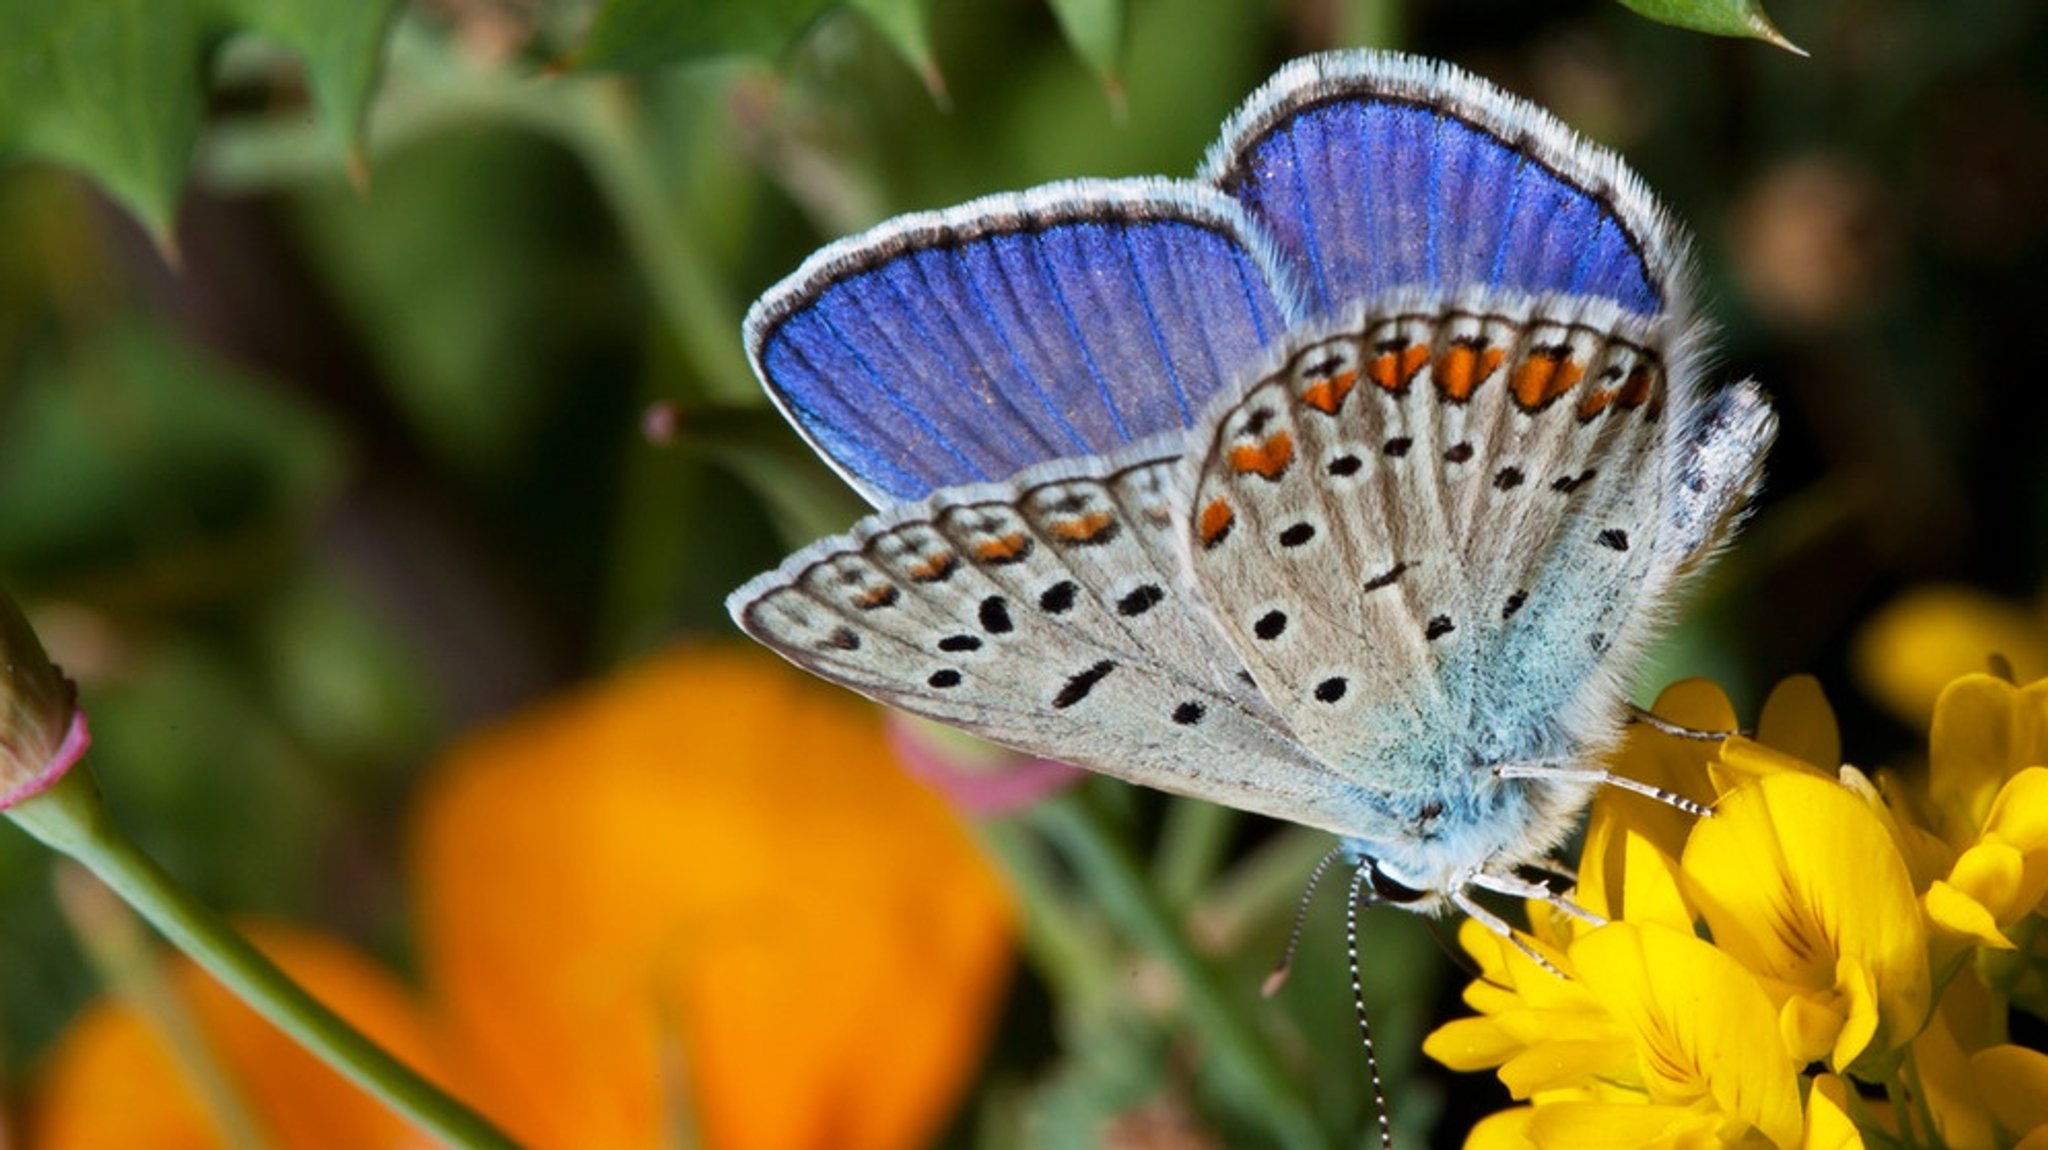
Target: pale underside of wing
(1434, 532)
(1047, 615)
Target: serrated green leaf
(342, 45)
(1095, 30)
(631, 35)
(1743, 18)
(111, 87)
(907, 26)
(116, 88)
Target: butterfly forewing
(1047, 616)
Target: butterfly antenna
(1278, 978)
(1372, 1062)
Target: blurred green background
(307, 472)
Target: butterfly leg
(1600, 777)
(1665, 726)
(1499, 926)
(1515, 887)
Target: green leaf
(342, 45)
(1744, 18)
(116, 88)
(1095, 30)
(111, 87)
(907, 26)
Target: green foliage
(1744, 18)
(115, 88)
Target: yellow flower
(1985, 731)
(1803, 884)
(1928, 637)
(697, 901)
(111, 1081)
(1656, 1039)
(1987, 792)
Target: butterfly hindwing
(962, 346)
(1433, 526)
(1374, 172)
(1049, 618)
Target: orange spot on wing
(1548, 373)
(1269, 460)
(1594, 403)
(1002, 548)
(934, 568)
(1216, 521)
(1638, 387)
(1461, 370)
(1394, 368)
(1327, 395)
(1083, 529)
(880, 595)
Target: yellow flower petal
(1967, 1018)
(1928, 637)
(1963, 918)
(1625, 873)
(710, 862)
(1797, 720)
(1702, 1026)
(2019, 813)
(1563, 1063)
(110, 1081)
(1827, 1117)
(2014, 1083)
(1809, 1028)
(1502, 1130)
(1620, 1126)
(1468, 1044)
(1992, 874)
(1985, 731)
(1743, 761)
(1793, 874)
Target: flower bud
(42, 730)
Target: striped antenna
(1358, 892)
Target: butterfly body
(1345, 486)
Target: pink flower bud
(42, 729)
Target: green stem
(69, 818)
(1247, 1061)
(126, 959)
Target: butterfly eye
(1391, 891)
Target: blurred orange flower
(697, 903)
(111, 1080)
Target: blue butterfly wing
(1374, 171)
(963, 346)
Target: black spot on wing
(1080, 683)
(995, 615)
(1058, 599)
(1141, 600)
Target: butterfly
(1346, 483)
